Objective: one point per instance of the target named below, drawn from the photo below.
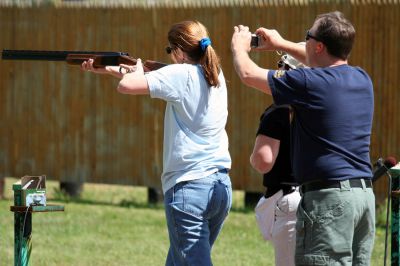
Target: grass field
(114, 225)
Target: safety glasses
(310, 36)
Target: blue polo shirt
(331, 129)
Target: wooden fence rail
(69, 125)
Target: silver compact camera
(255, 41)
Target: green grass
(114, 225)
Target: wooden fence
(69, 125)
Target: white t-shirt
(195, 140)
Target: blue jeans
(195, 212)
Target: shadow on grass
(61, 196)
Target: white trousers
(276, 219)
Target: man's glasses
(168, 50)
(310, 36)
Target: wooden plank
(74, 126)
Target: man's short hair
(336, 33)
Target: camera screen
(254, 41)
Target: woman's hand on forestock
(88, 66)
(138, 68)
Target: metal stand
(23, 225)
(395, 225)
(389, 198)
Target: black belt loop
(288, 190)
(324, 184)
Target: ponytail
(192, 38)
(210, 63)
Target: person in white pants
(276, 210)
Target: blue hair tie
(204, 43)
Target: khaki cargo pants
(336, 226)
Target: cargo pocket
(304, 226)
(308, 260)
(323, 234)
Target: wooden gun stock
(101, 59)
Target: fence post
(395, 225)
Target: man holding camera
(330, 138)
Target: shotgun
(100, 59)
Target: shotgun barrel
(100, 59)
(50, 55)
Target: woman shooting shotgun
(195, 181)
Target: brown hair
(336, 32)
(187, 36)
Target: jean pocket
(282, 206)
(194, 198)
(228, 189)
